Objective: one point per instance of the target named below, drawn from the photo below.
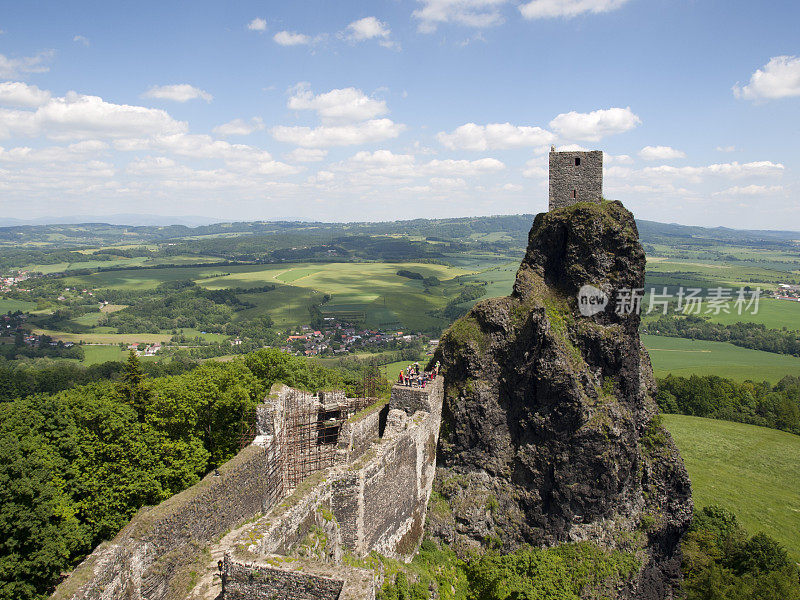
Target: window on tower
(574, 194)
(577, 161)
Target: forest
(747, 335)
(77, 464)
(775, 406)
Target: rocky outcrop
(549, 428)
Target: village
(336, 339)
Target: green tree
(132, 388)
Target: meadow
(772, 313)
(373, 289)
(685, 357)
(747, 469)
(10, 305)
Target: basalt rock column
(548, 429)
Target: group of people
(413, 376)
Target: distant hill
(118, 219)
(513, 229)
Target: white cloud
(494, 136)
(750, 190)
(660, 153)
(322, 177)
(447, 182)
(52, 154)
(236, 156)
(181, 92)
(14, 67)
(616, 171)
(257, 24)
(290, 38)
(572, 148)
(338, 105)
(239, 127)
(76, 116)
(595, 125)
(779, 78)
(726, 148)
(375, 130)
(471, 13)
(622, 159)
(464, 167)
(381, 166)
(536, 168)
(731, 170)
(306, 155)
(369, 28)
(80, 39)
(543, 9)
(16, 93)
(378, 159)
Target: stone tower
(575, 177)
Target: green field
(104, 338)
(93, 355)
(712, 273)
(373, 290)
(10, 305)
(750, 470)
(142, 279)
(774, 314)
(684, 357)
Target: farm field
(772, 313)
(104, 338)
(143, 279)
(94, 354)
(122, 262)
(9, 304)
(747, 469)
(499, 278)
(689, 357)
(372, 289)
(713, 273)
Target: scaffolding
(306, 433)
(312, 427)
(370, 379)
(305, 451)
(275, 481)
(247, 429)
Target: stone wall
(282, 578)
(142, 560)
(371, 499)
(571, 182)
(261, 582)
(357, 434)
(375, 503)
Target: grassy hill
(750, 470)
(686, 357)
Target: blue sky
(398, 109)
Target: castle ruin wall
(575, 177)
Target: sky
(397, 109)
